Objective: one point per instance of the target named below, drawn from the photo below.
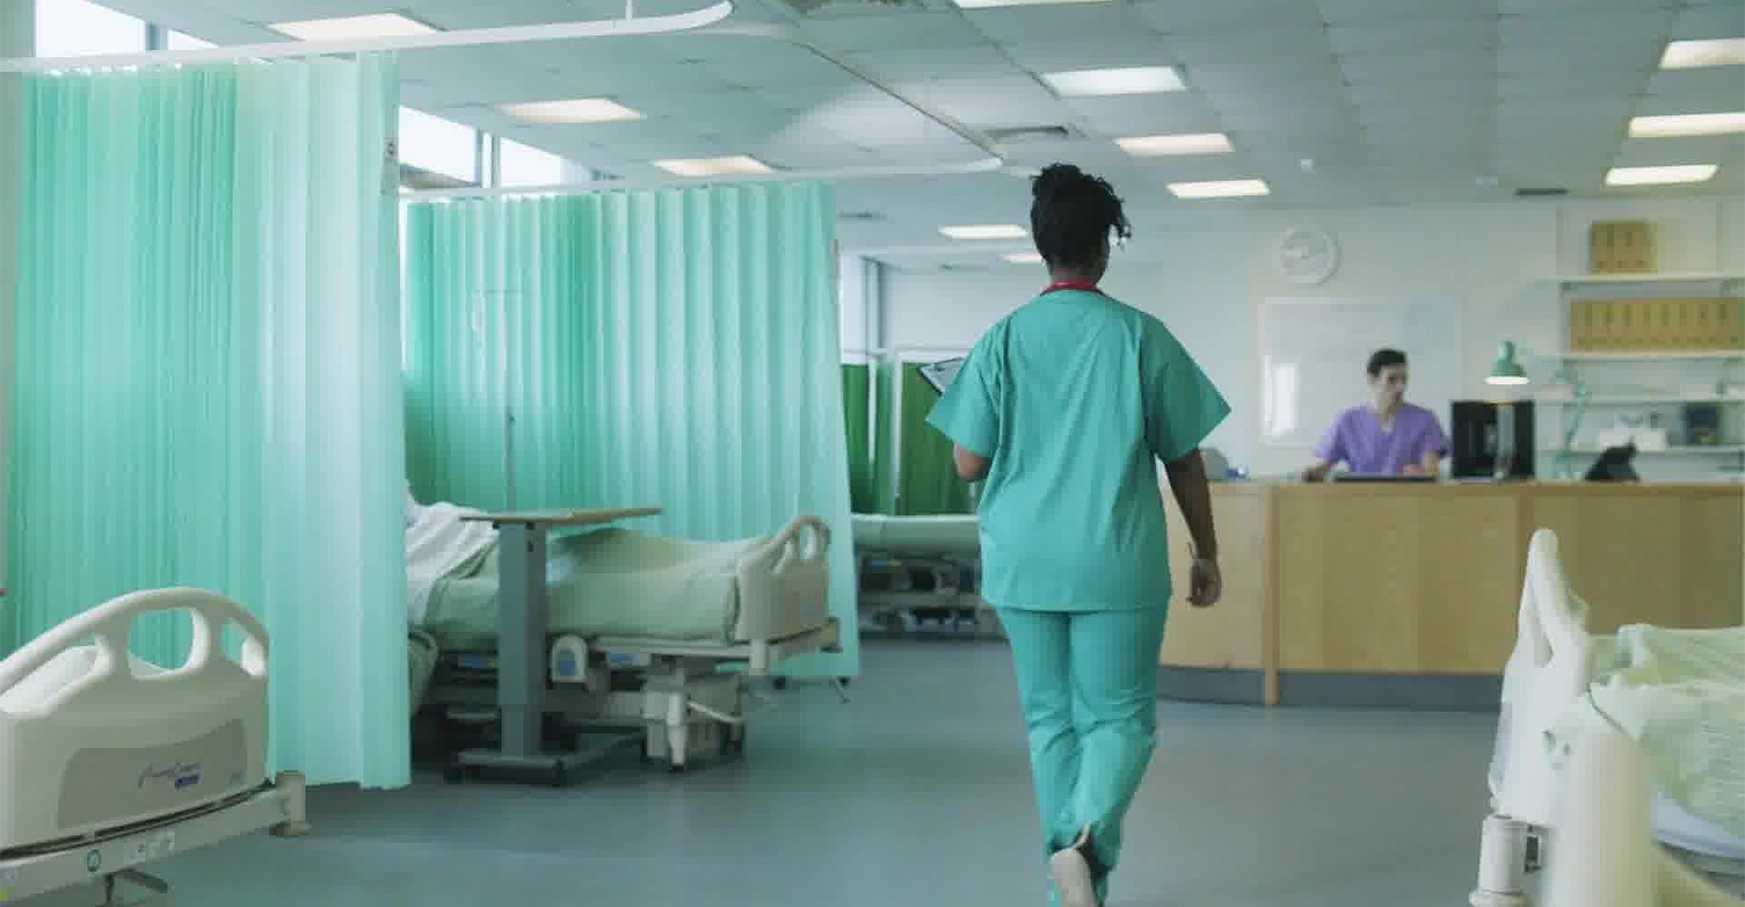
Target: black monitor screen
(939, 374)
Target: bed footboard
(784, 586)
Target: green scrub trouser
(1087, 681)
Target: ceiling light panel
(991, 4)
(1024, 258)
(1660, 176)
(1152, 145)
(1700, 54)
(1220, 189)
(733, 165)
(985, 231)
(578, 110)
(1689, 124)
(376, 25)
(1124, 81)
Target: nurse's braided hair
(1072, 214)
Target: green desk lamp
(1507, 371)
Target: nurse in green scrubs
(1062, 409)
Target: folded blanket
(1680, 694)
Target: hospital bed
(1607, 855)
(1677, 695)
(614, 630)
(109, 762)
(924, 566)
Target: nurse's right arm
(1182, 408)
(969, 415)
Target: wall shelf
(1624, 400)
(1667, 277)
(1653, 356)
(1686, 450)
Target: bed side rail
(110, 624)
(805, 539)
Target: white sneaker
(1072, 877)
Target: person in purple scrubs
(1386, 436)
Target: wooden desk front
(1424, 581)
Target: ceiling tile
(1553, 86)
(1693, 150)
(1724, 19)
(1133, 115)
(1426, 99)
(1345, 12)
(1187, 17)
(1070, 52)
(898, 32)
(1719, 88)
(1411, 37)
(1221, 79)
(1255, 46)
(1010, 101)
(1032, 24)
(918, 64)
(1428, 66)
(1539, 7)
(780, 64)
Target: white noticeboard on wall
(1313, 352)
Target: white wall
(17, 39)
(1208, 285)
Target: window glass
(525, 165)
(438, 145)
(178, 41)
(72, 28)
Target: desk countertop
(565, 517)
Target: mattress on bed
(929, 534)
(613, 581)
(1680, 694)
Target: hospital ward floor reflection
(915, 793)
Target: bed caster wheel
(734, 745)
(781, 683)
(844, 681)
(560, 776)
(454, 773)
(675, 769)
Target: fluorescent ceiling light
(988, 231)
(1130, 80)
(578, 110)
(1659, 176)
(1697, 54)
(1204, 143)
(1689, 124)
(1024, 258)
(737, 164)
(986, 4)
(1220, 189)
(379, 25)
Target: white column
(17, 39)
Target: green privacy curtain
(857, 410)
(495, 339)
(671, 347)
(208, 388)
(927, 481)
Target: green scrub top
(1071, 397)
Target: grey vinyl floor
(916, 792)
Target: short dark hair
(1072, 214)
(1385, 358)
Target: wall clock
(1308, 255)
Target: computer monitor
(939, 374)
(1492, 440)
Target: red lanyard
(1086, 286)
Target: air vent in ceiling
(1015, 135)
(1543, 192)
(860, 216)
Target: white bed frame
(1606, 852)
(684, 704)
(1548, 671)
(108, 762)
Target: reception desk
(1407, 594)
